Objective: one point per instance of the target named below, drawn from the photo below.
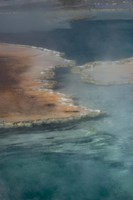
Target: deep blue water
(83, 41)
(91, 160)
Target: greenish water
(91, 160)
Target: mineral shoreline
(107, 72)
(27, 96)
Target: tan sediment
(107, 72)
(25, 79)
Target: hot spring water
(91, 160)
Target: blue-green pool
(91, 160)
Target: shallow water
(91, 160)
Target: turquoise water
(91, 160)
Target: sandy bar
(107, 72)
(26, 74)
